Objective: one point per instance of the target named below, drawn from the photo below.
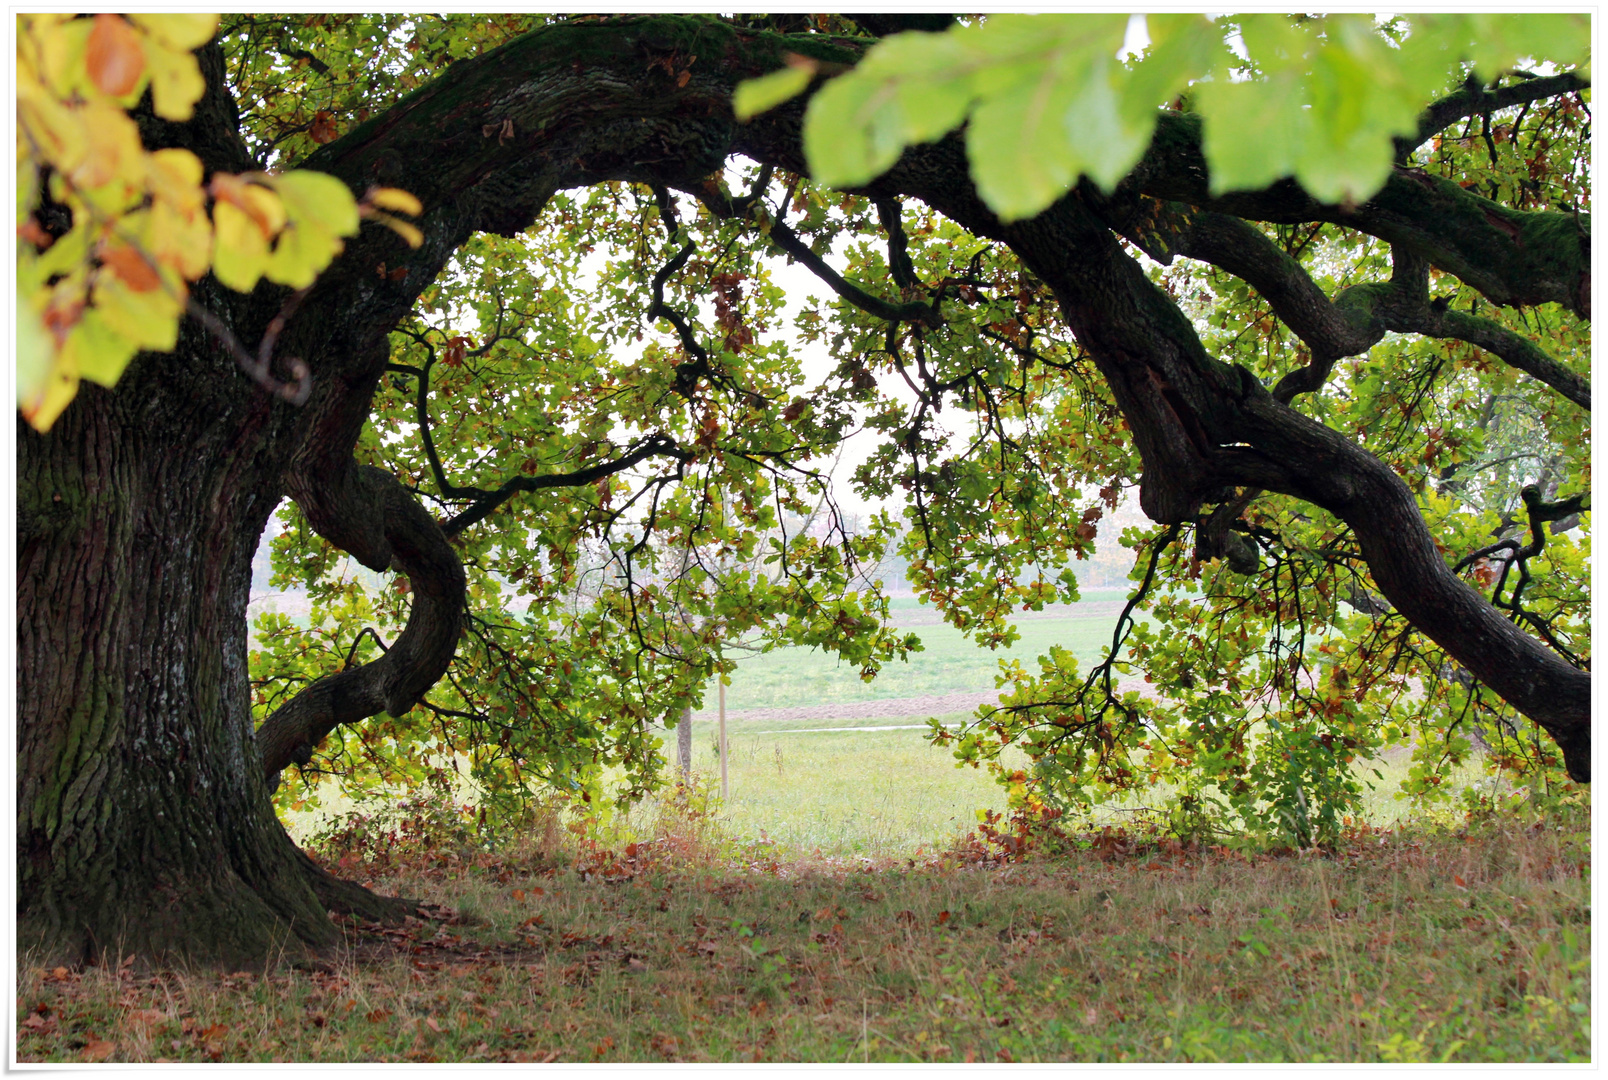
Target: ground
(1464, 944)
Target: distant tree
(1353, 417)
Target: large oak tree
(144, 813)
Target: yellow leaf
(56, 130)
(113, 151)
(59, 389)
(60, 46)
(408, 232)
(150, 319)
(35, 351)
(390, 198)
(240, 250)
(97, 351)
(317, 198)
(176, 83)
(182, 241)
(258, 203)
(185, 31)
(174, 176)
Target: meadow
(844, 904)
(1467, 944)
(949, 661)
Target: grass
(1470, 945)
(879, 793)
(829, 912)
(949, 662)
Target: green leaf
(1043, 124)
(853, 131)
(1183, 48)
(319, 210)
(910, 88)
(755, 96)
(303, 250)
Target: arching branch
(1474, 99)
(380, 523)
(1354, 321)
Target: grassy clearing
(1411, 946)
(892, 794)
(949, 662)
(880, 793)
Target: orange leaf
(100, 1050)
(60, 318)
(259, 204)
(30, 231)
(131, 266)
(115, 58)
(943, 917)
(519, 894)
(323, 129)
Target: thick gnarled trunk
(142, 827)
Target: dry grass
(1468, 945)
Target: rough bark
(143, 818)
(143, 825)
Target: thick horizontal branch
(1513, 257)
(1514, 349)
(1351, 323)
(1475, 99)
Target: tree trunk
(684, 742)
(141, 826)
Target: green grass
(882, 793)
(1471, 945)
(830, 911)
(949, 663)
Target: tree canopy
(1316, 290)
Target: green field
(878, 793)
(949, 662)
